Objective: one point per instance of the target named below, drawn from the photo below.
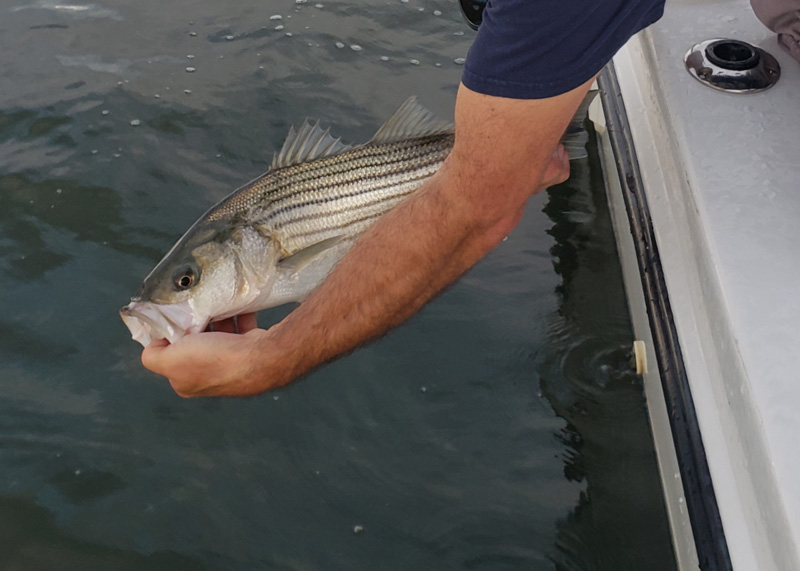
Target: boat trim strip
(708, 532)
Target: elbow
(495, 230)
(492, 215)
(486, 199)
(498, 202)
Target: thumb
(152, 356)
(557, 169)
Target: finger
(179, 390)
(152, 354)
(247, 322)
(557, 169)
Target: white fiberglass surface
(739, 162)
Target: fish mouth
(148, 321)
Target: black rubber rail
(701, 502)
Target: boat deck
(721, 173)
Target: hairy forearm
(394, 269)
(432, 238)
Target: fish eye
(184, 278)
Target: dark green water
(500, 429)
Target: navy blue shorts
(531, 49)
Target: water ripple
(79, 11)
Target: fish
(275, 239)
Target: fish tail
(576, 136)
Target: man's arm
(505, 150)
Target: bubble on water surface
(339, 45)
(414, 62)
(276, 17)
(355, 47)
(459, 61)
(191, 69)
(135, 123)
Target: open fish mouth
(148, 321)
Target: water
(500, 429)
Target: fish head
(217, 270)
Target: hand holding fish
(211, 363)
(505, 150)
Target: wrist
(273, 360)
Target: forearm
(394, 269)
(503, 154)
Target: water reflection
(38, 219)
(30, 539)
(620, 520)
(21, 341)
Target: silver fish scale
(341, 195)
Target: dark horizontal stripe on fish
(421, 175)
(322, 214)
(386, 152)
(319, 179)
(332, 229)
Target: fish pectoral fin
(301, 259)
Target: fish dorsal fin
(309, 142)
(411, 120)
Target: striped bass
(275, 239)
